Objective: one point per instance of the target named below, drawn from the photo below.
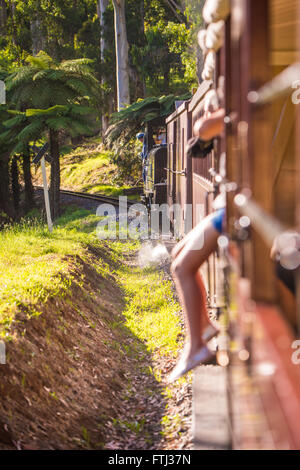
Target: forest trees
(152, 54)
(53, 98)
(3, 17)
(68, 29)
(72, 119)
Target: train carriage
(254, 45)
(179, 168)
(155, 189)
(155, 181)
(261, 41)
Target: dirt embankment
(68, 373)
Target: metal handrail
(181, 173)
(279, 86)
(265, 224)
(276, 238)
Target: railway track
(88, 201)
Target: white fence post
(46, 195)
(2, 92)
(2, 352)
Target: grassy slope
(35, 264)
(39, 268)
(88, 169)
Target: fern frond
(59, 123)
(32, 131)
(57, 110)
(15, 121)
(19, 77)
(20, 147)
(41, 61)
(76, 62)
(81, 110)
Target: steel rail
(95, 197)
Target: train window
(174, 154)
(179, 152)
(182, 149)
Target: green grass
(107, 190)
(85, 169)
(151, 311)
(88, 169)
(35, 264)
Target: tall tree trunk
(101, 7)
(142, 10)
(29, 191)
(15, 184)
(175, 7)
(6, 204)
(121, 54)
(55, 175)
(3, 18)
(12, 7)
(199, 53)
(37, 34)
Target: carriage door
(172, 163)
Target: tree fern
(15, 121)
(129, 120)
(75, 63)
(42, 60)
(56, 97)
(44, 83)
(81, 110)
(20, 76)
(33, 131)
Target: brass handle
(181, 173)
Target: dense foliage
(51, 60)
(127, 122)
(67, 29)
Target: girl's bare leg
(189, 284)
(202, 292)
(204, 313)
(181, 244)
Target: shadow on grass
(138, 403)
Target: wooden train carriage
(203, 194)
(189, 181)
(256, 54)
(202, 184)
(254, 45)
(261, 41)
(179, 167)
(155, 188)
(155, 165)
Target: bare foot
(209, 332)
(191, 358)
